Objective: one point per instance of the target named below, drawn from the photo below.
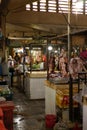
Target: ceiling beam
(52, 18)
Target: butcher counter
(57, 95)
(34, 84)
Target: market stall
(30, 69)
(36, 73)
(57, 96)
(62, 85)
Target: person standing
(17, 58)
(5, 70)
(11, 68)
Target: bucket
(50, 120)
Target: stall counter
(54, 96)
(34, 84)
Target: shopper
(5, 70)
(11, 68)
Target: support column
(68, 29)
(84, 116)
(3, 32)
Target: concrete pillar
(85, 112)
(3, 32)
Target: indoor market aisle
(28, 114)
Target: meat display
(75, 66)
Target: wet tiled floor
(28, 114)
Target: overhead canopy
(35, 24)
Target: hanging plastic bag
(61, 125)
(78, 97)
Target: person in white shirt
(11, 68)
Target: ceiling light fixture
(50, 48)
(27, 6)
(19, 38)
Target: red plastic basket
(7, 108)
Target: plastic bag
(61, 125)
(78, 97)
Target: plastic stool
(1, 114)
(2, 126)
(7, 108)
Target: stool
(2, 126)
(1, 114)
(7, 108)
